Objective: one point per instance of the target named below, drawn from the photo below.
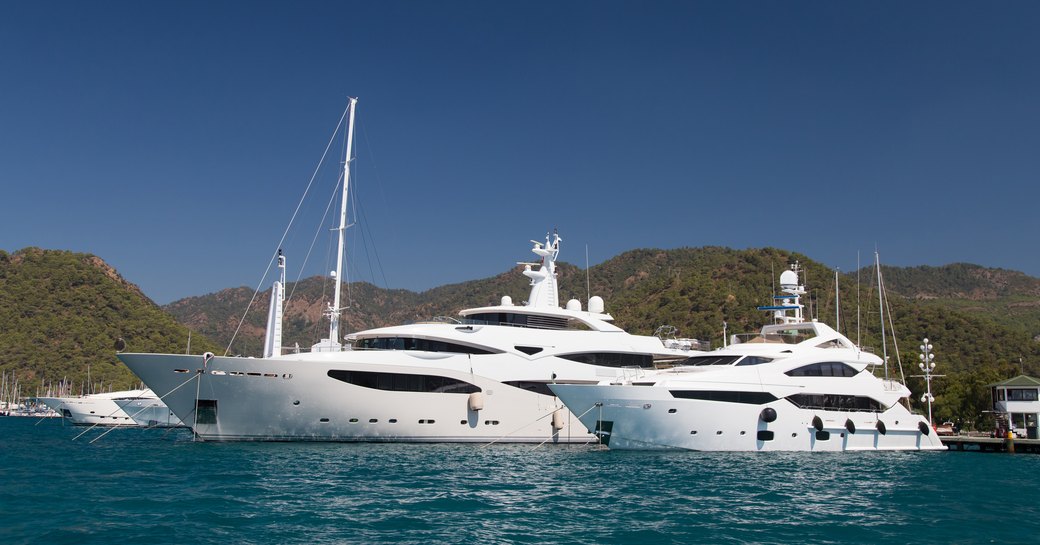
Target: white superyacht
(101, 409)
(484, 377)
(795, 386)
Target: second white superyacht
(796, 385)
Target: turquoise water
(153, 486)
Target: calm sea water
(153, 486)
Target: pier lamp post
(927, 365)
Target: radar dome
(788, 279)
(596, 304)
(507, 301)
(574, 304)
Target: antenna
(588, 288)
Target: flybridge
(542, 309)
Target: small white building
(1019, 400)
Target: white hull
(642, 418)
(149, 412)
(286, 399)
(93, 410)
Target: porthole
(393, 420)
(373, 420)
(463, 422)
(693, 432)
(352, 420)
(794, 435)
(743, 433)
(718, 432)
(297, 402)
(671, 411)
(323, 420)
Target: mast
(881, 309)
(336, 309)
(837, 303)
(273, 341)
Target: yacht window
(402, 382)
(823, 369)
(754, 360)
(529, 350)
(531, 386)
(519, 320)
(709, 360)
(836, 402)
(612, 359)
(833, 343)
(411, 343)
(728, 396)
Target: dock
(990, 444)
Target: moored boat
(796, 385)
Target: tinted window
(823, 369)
(403, 382)
(612, 359)
(751, 398)
(835, 402)
(754, 360)
(521, 320)
(709, 360)
(531, 386)
(409, 343)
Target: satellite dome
(788, 279)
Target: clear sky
(174, 139)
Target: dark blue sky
(174, 139)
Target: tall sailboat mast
(336, 309)
(881, 306)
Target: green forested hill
(1009, 297)
(62, 311)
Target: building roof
(1019, 381)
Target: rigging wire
(274, 256)
(892, 326)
